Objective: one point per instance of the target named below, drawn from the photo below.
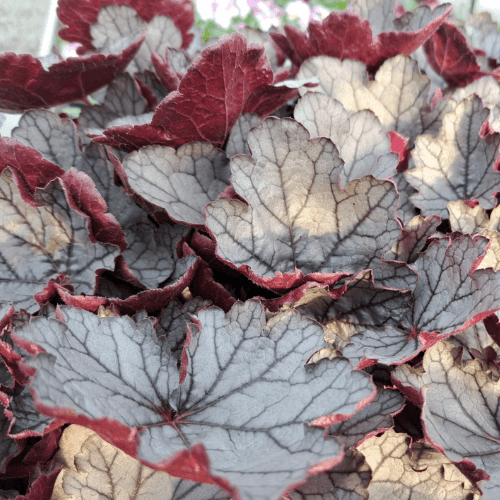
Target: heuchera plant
(252, 268)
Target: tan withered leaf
(474, 220)
(347, 481)
(401, 472)
(460, 411)
(457, 165)
(94, 468)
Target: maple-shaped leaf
(26, 84)
(346, 35)
(401, 470)
(397, 96)
(450, 56)
(118, 369)
(470, 220)
(347, 481)
(80, 16)
(117, 21)
(362, 142)
(182, 182)
(229, 78)
(40, 242)
(93, 466)
(460, 413)
(460, 164)
(123, 103)
(298, 221)
(389, 326)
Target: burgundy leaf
(228, 79)
(26, 84)
(29, 167)
(450, 57)
(79, 16)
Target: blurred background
(29, 26)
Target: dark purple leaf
(26, 84)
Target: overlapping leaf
(26, 84)
(117, 21)
(397, 96)
(40, 242)
(182, 182)
(79, 17)
(362, 143)
(123, 103)
(241, 408)
(470, 220)
(94, 466)
(297, 217)
(346, 35)
(419, 471)
(389, 326)
(228, 79)
(460, 164)
(348, 481)
(461, 408)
